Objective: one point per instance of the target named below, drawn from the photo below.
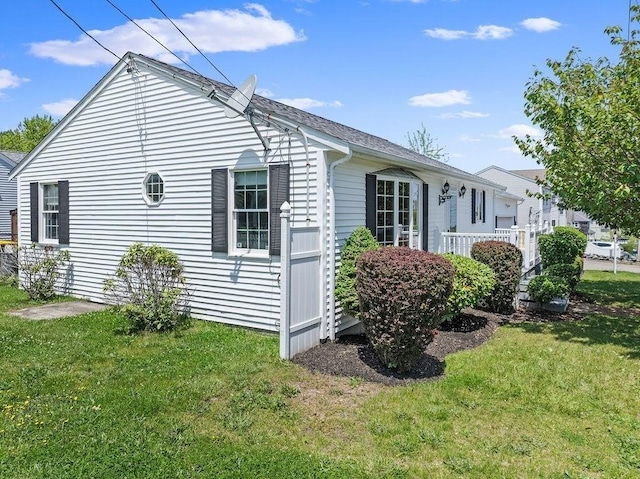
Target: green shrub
(39, 268)
(403, 295)
(150, 288)
(578, 237)
(359, 241)
(505, 260)
(472, 282)
(562, 246)
(569, 272)
(545, 287)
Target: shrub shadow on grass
(617, 330)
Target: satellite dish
(239, 100)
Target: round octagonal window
(153, 188)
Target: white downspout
(332, 246)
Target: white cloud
(540, 24)
(265, 92)
(447, 98)
(10, 80)
(511, 149)
(251, 30)
(492, 32)
(468, 139)
(519, 130)
(464, 114)
(483, 32)
(444, 34)
(308, 103)
(60, 108)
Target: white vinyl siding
(150, 123)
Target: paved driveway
(607, 265)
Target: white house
(151, 154)
(8, 190)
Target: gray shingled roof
(355, 138)
(12, 157)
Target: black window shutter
(278, 194)
(34, 190)
(219, 220)
(425, 217)
(370, 192)
(63, 212)
(473, 205)
(484, 206)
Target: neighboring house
(531, 210)
(8, 190)
(150, 154)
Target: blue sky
(382, 66)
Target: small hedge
(545, 287)
(472, 282)
(562, 246)
(505, 260)
(569, 272)
(403, 295)
(359, 241)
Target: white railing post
(513, 236)
(285, 281)
(527, 246)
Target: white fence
(526, 239)
(300, 287)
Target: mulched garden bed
(352, 356)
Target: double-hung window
(50, 212)
(250, 210)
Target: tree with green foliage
(28, 134)
(422, 142)
(589, 113)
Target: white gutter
(332, 246)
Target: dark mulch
(352, 356)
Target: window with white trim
(153, 188)
(398, 213)
(479, 205)
(250, 210)
(50, 209)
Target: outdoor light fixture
(462, 191)
(444, 196)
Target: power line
(83, 30)
(152, 37)
(192, 44)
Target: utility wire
(152, 37)
(83, 30)
(192, 44)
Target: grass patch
(553, 400)
(604, 287)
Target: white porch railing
(526, 239)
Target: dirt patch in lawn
(353, 357)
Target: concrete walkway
(58, 310)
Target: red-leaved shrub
(505, 260)
(403, 295)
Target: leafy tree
(589, 112)
(422, 142)
(29, 133)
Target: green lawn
(78, 400)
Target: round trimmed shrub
(403, 294)
(545, 287)
(472, 282)
(359, 241)
(569, 272)
(505, 260)
(577, 236)
(562, 246)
